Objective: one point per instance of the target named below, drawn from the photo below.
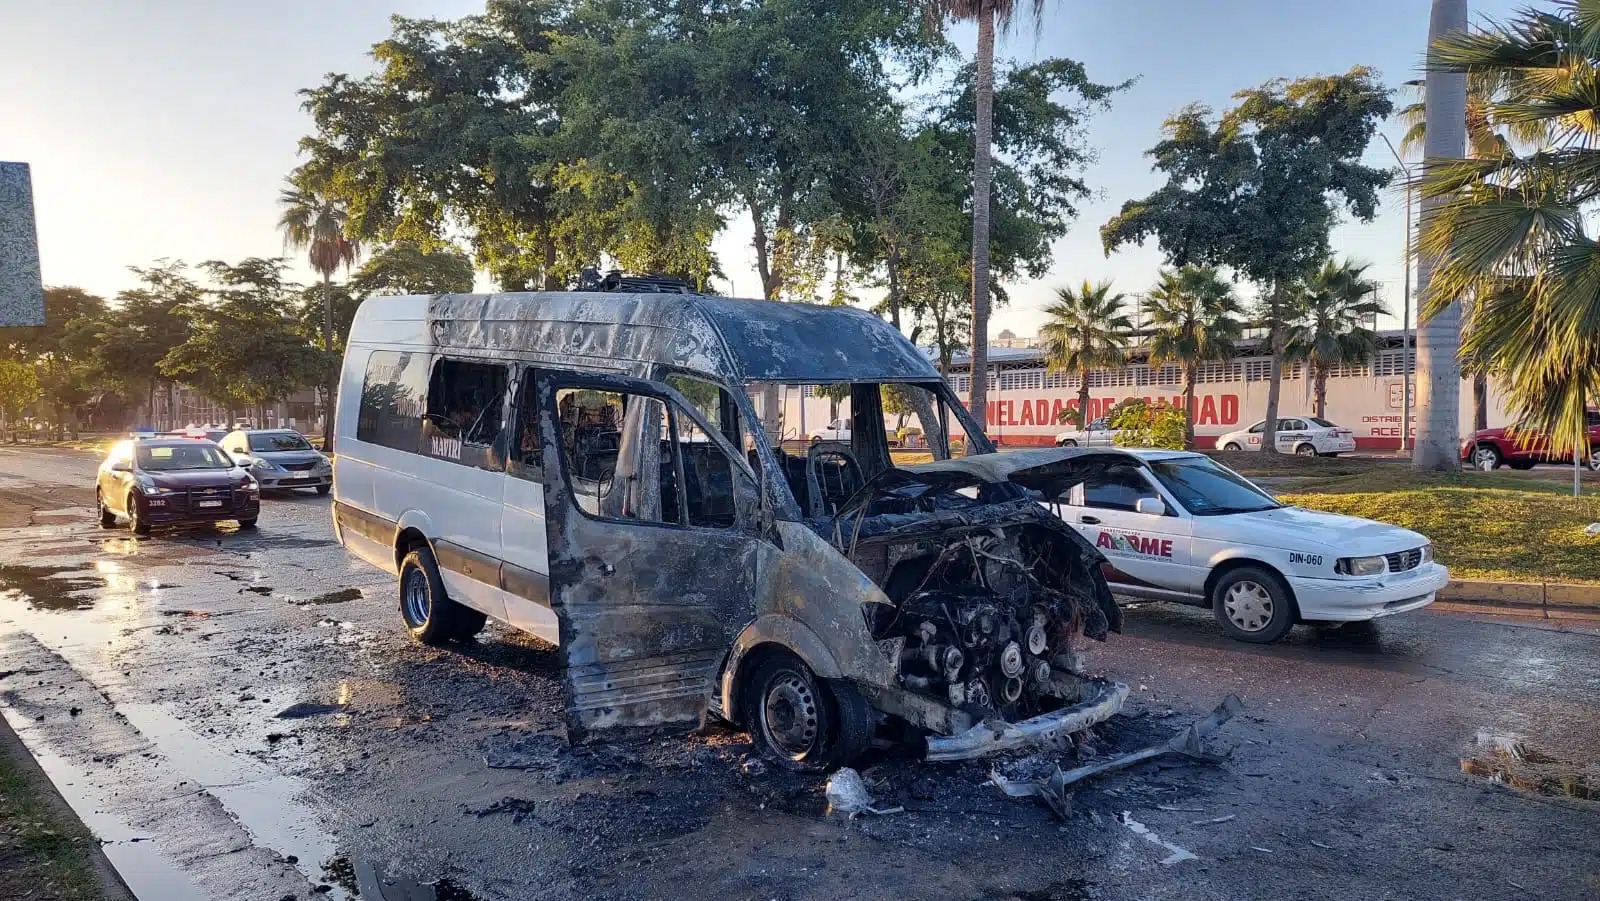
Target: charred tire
(1232, 446)
(1253, 604)
(1066, 442)
(247, 523)
(137, 523)
(1485, 457)
(324, 489)
(1305, 450)
(107, 518)
(801, 722)
(429, 614)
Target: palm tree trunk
(1480, 402)
(981, 175)
(1188, 406)
(1083, 398)
(1322, 391)
(1438, 397)
(333, 364)
(1269, 435)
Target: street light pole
(1405, 314)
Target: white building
(1025, 401)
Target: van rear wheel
(430, 615)
(802, 722)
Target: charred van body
(609, 471)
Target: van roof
(733, 339)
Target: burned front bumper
(954, 734)
(1099, 700)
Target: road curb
(1543, 597)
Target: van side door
(462, 489)
(652, 524)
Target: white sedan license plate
(209, 504)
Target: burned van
(610, 472)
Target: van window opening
(466, 400)
(639, 458)
(392, 400)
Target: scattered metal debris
(1053, 791)
(1215, 820)
(1176, 853)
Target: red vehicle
(1490, 448)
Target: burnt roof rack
(616, 282)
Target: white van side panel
(462, 510)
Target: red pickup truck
(1490, 448)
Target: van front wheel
(430, 616)
(804, 723)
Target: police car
(1307, 436)
(1179, 526)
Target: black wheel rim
(791, 715)
(415, 602)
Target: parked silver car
(280, 458)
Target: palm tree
(1439, 331)
(987, 14)
(1510, 231)
(1333, 303)
(1193, 313)
(1085, 330)
(314, 222)
(1488, 137)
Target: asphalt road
(240, 715)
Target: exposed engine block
(983, 618)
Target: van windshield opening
(832, 438)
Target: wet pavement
(240, 715)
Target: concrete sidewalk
(1535, 598)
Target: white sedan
(1307, 436)
(1098, 434)
(837, 430)
(1179, 526)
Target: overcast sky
(164, 129)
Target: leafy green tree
(1085, 330)
(245, 351)
(406, 267)
(1194, 319)
(19, 387)
(143, 325)
(315, 221)
(1256, 189)
(1139, 423)
(1509, 232)
(62, 348)
(1328, 332)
